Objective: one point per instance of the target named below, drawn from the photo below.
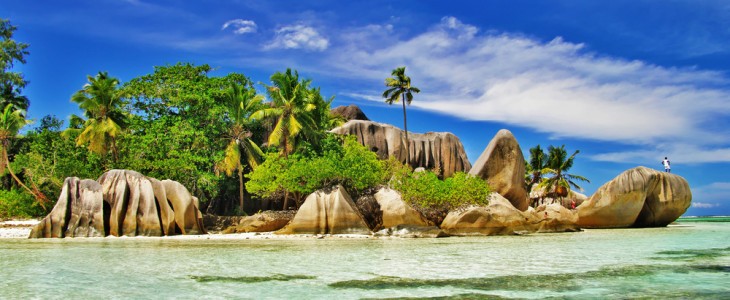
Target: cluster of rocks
(127, 203)
(121, 203)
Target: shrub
(18, 204)
(425, 190)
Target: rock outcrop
(327, 212)
(263, 222)
(79, 212)
(121, 203)
(639, 197)
(397, 212)
(432, 150)
(500, 217)
(350, 112)
(503, 166)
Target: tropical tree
(534, 167)
(240, 104)
(559, 181)
(11, 121)
(102, 101)
(11, 82)
(400, 89)
(291, 104)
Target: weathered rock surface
(122, 202)
(327, 212)
(263, 222)
(500, 217)
(503, 166)
(639, 197)
(350, 112)
(432, 150)
(82, 204)
(537, 196)
(397, 212)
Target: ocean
(687, 260)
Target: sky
(625, 82)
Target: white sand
(21, 229)
(16, 228)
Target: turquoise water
(685, 261)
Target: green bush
(18, 204)
(425, 190)
(348, 163)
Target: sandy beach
(20, 229)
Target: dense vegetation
(216, 135)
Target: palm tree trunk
(405, 128)
(240, 188)
(7, 164)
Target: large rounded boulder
(639, 197)
(327, 212)
(397, 212)
(503, 166)
(121, 203)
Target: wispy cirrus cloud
(559, 88)
(240, 26)
(298, 37)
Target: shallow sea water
(685, 261)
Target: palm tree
(291, 104)
(558, 164)
(9, 95)
(399, 88)
(534, 168)
(101, 100)
(240, 103)
(11, 121)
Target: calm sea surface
(690, 260)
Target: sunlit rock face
(350, 112)
(639, 197)
(500, 217)
(327, 212)
(503, 167)
(121, 203)
(440, 151)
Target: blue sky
(625, 82)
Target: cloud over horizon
(558, 88)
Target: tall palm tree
(291, 104)
(558, 164)
(240, 103)
(101, 101)
(534, 168)
(399, 88)
(11, 121)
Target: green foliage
(11, 83)
(550, 171)
(349, 164)
(425, 190)
(18, 204)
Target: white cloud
(704, 205)
(558, 88)
(240, 26)
(298, 37)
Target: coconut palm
(240, 103)
(11, 121)
(400, 89)
(560, 181)
(534, 167)
(101, 101)
(291, 105)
